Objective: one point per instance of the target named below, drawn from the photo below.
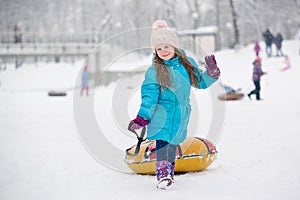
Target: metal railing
(27, 37)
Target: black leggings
(256, 91)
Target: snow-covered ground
(42, 155)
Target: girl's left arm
(204, 79)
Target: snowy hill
(43, 157)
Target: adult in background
(278, 43)
(268, 37)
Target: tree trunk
(235, 26)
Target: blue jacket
(169, 110)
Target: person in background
(230, 90)
(257, 73)
(17, 34)
(299, 39)
(165, 97)
(287, 63)
(84, 81)
(268, 37)
(257, 49)
(278, 43)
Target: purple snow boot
(164, 174)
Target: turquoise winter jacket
(169, 110)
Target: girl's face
(165, 51)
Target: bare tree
(171, 12)
(239, 22)
(235, 26)
(194, 10)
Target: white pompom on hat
(161, 33)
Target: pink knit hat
(161, 33)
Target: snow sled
(231, 96)
(56, 93)
(194, 154)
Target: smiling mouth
(165, 55)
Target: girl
(165, 92)
(257, 73)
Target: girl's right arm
(150, 92)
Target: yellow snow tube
(194, 154)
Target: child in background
(298, 35)
(84, 81)
(257, 73)
(287, 63)
(257, 49)
(165, 93)
(230, 90)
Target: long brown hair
(163, 74)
